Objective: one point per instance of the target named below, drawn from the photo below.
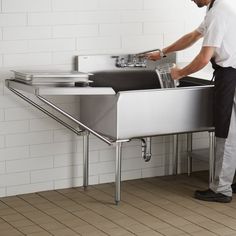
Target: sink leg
(86, 159)
(189, 152)
(211, 156)
(118, 172)
(175, 155)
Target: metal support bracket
(78, 132)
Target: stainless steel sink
(122, 104)
(141, 108)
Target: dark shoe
(210, 196)
(233, 186)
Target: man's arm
(201, 60)
(182, 43)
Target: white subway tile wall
(13, 6)
(36, 153)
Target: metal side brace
(78, 132)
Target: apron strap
(211, 5)
(215, 67)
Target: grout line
(196, 211)
(87, 209)
(182, 217)
(101, 214)
(46, 214)
(115, 210)
(60, 207)
(22, 215)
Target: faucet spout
(142, 54)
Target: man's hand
(154, 56)
(176, 73)
(201, 60)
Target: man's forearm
(201, 60)
(197, 64)
(183, 43)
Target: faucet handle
(120, 61)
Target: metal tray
(51, 77)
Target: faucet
(133, 60)
(130, 61)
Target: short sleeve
(201, 28)
(214, 31)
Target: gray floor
(155, 206)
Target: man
(219, 47)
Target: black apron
(225, 84)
